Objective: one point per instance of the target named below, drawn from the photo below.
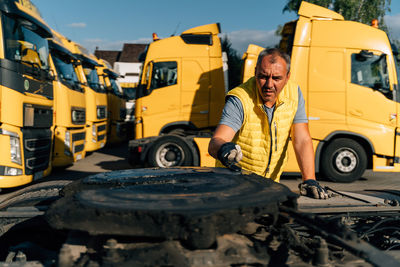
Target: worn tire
(35, 192)
(170, 151)
(344, 160)
(192, 205)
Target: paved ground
(114, 157)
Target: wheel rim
(345, 160)
(170, 154)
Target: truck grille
(101, 128)
(78, 148)
(37, 116)
(78, 136)
(101, 137)
(37, 145)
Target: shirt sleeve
(232, 114)
(300, 116)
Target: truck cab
(69, 105)
(116, 103)
(96, 99)
(181, 93)
(349, 78)
(26, 95)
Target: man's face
(271, 77)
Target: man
(256, 122)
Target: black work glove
(311, 188)
(230, 154)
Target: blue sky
(108, 24)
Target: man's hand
(229, 154)
(311, 188)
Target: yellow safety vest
(265, 145)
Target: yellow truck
(179, 99)
(26, 95)
(96, 98)
(69, 105)
(349, 77)
(116, 104)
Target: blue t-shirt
(232, 114)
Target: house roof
(129, 53)
(108, 55)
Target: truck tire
(344, 160)
(190, 205)
(34, 193)
(170, 151)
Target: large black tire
(170, 151)
(192, 205)
(344, 160)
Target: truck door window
(164, 74)
(371, 71)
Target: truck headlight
(9, 171)
(78, 115)
(74, 116)
(94, 132)
(67, 143)
(15, 150)
(67, 139)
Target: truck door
(162, 104)
(371, 111)
(196, 83)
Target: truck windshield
(93, 78)
(66, 71)
(23, 44)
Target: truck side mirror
(149, 74)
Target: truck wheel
(170, 151)
(344, 160)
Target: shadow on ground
(115, 165)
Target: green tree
(294, 5)
(363, 11)
(234, 63)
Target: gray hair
(274, 52)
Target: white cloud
(241, 39)
(77, 25)
(393, 23)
